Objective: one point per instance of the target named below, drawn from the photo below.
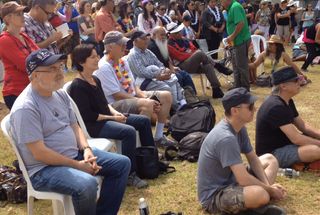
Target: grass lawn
(178, 191)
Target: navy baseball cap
(283, 75)
(42, 57)
(236, 97)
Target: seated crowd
(133, 62)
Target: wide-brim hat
(173, 28)
(275, 39)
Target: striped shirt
(39, 32)
(144, 64)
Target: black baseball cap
(236, 97)
(283, 75)
(42, 57)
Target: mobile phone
(155, 97)
(126, 114)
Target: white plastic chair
(255, 40)
(58, 200)
(100, 143)
(61, 204)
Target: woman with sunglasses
(277, 54)
(148, 19)
(15, 46)
(195, 18)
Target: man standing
(283, 21)
(53, 146)
(104, 22)
(280, 130)
(224, 183)
(39, 29)
(239, 38)
(120, 89)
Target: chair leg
(58, 208)
(202, 85)
(30, 205)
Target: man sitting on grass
(224, 183)
(53, 146)
(280, 130)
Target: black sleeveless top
(311, 32)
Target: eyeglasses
(250, 107)
(46, 12)
(162, 9)
(53, 69)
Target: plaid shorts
(228, 200)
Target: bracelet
(86, 147)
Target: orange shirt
(104, 22)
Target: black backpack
(199, 116)
(190, 145)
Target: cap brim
(176, 30)
(124, 40)
(292, 79)
(53, 59)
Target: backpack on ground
(199, 116)
(188, 148)
(13, 187)
(190, 145)
(148, 164)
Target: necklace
(215, 13)
(122, 74)
(89, 80)
(194, 17)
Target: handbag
(148, 164)
(264, 80)
(147, 160)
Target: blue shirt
(72, 24)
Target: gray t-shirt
(220, 150)
(49, 119)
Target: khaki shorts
(131, 105)
(283, 31)
(228, 200)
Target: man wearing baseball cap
(224, 183)
(53, 146)
(280, 130)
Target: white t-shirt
(109, 80)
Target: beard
(163, 47)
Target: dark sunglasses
(250, 107)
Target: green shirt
(237, 14)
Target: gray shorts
(131, 105)
(283, 31)
(287, 155)
(229, 199)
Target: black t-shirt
(273, 114)
(248, 9)
(283, 21)
(91, 102)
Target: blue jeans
(127, 134)
(83, 186)
(184, 79)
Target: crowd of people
(133, 59)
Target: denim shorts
(229, 199)
(287, 155)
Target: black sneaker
(217, 93)
(164, 142)
(222, 69)
(135, 181)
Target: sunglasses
(250, 107)
(162, 9)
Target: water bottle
(291, 173)
(143, 207)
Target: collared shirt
(104, 22)
(39, 32)
(144, 64)
(237, 14)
